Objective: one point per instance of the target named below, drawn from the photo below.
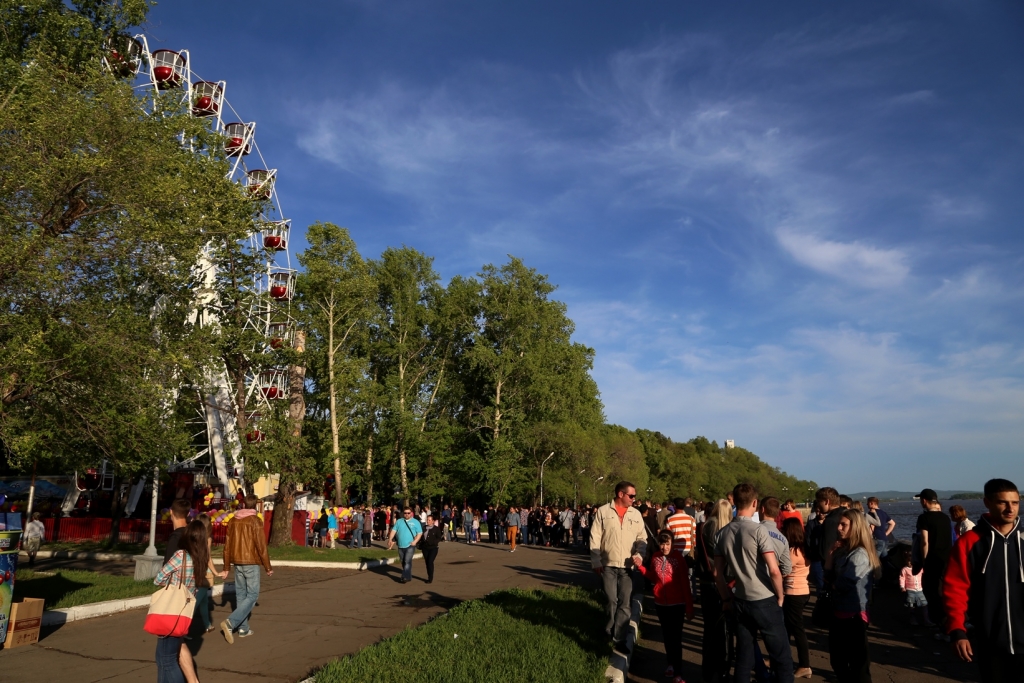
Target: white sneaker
(226, 630)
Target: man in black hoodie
(984, 584)
(827, 533)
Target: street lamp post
(542, 477)
(595, 487)
(151, 550)
(576, 489)
(148, 564)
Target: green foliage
(525, 636)
(103, 213)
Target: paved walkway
(305, 618)
(900, 653)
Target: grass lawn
(509, 636)
(99, 547)
(297, 552)
(287, 553)
(70, 587)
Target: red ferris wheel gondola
(275, 235)
(260, 183)
(168, 68)
(282, 285)
(238, 140)
(207, 98)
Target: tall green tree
(404, 352)
(103, 213)
(523, 368)
(335, 305)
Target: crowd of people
(754, 563)
(551, 526)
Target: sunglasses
(630, 495)
(406, 513)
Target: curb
(76, 555)
(618, 663)
(59, 617)
(361, 566)
(82, 555)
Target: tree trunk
(369, 471)
(405, 476)
(117, 505)
(332, 391)
(284, 499)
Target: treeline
(113, 343)
(423, 391)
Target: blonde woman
(851, 567)
(714, 650)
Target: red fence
(76, 529)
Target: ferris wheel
(215, 438)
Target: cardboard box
(26, 619)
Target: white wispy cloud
(861, 264)
(845, 332)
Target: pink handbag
(171, 608)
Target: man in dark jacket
(984, 584)
(827, 499)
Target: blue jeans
(816, 575)
(167, 668)
(618, 588)
(357, 539)
(203, 603)
(405, 555)
(882, 547)
(247, 591)
(764, 616)
(468, 528)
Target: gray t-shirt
(781, 547)
(742, 543)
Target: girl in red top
(669, 573)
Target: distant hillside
(909, 495)
(705, 470)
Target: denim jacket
(853, 579)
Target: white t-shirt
(35, 529)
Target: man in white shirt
(34, 534)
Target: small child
(672, 598)
(910, 583)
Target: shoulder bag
(821, 616)
(171, 608)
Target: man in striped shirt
(682, 527)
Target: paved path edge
(82, 555)
(59, 617)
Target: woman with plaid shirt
(173, 659)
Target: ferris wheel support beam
(223, 431)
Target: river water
(905, 514)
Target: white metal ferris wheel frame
(269, 312)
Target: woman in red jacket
(669, 573)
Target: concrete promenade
(306, 617)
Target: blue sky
(796, 225)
